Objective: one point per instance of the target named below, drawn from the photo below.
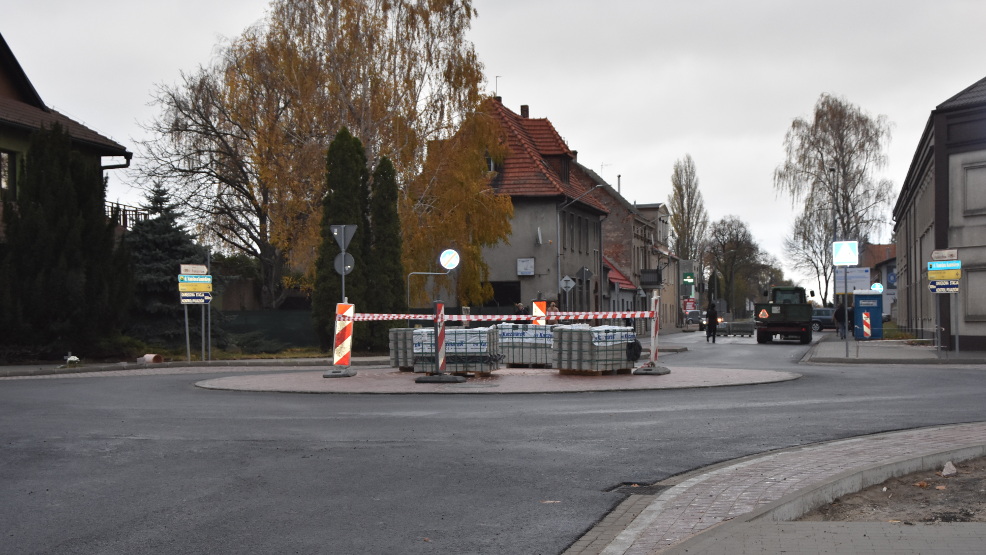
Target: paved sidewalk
(734, 507)
(831, 349)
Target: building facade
(942, 207)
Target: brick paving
(706, 500)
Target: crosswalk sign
(845, 253)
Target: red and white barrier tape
(371, 317)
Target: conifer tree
(388, 289)
(64, 282)
(345, 203)
(158, 247)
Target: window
(7, 175)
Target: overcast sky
(633, 86)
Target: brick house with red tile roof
(22, 112)
(557, 223)
(567, 219)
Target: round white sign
(878, 287)
(449, 259)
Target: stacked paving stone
(525, 344)
(402, 349)
(467, 350)
(581, 349)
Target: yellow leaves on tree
(242, 142)
(452, 205)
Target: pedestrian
(840, 320)
(552, 307)
(519, 308)
(851, 322)
(711, 323)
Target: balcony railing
(126, 216)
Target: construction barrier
(343, 344)
(529, 343)
(737, 328)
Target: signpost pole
(208, 306)
(845, 306)
(188, 341)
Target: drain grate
(636, 488)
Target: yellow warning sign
(763, 313)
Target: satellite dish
(449, 259)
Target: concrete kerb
(44, 370)
(799, 503)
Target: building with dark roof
(555, 247)
(941, 212)
(22, 112)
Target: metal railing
(126, 216)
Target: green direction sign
(194, 278)
(688, 278)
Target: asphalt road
(142, 464)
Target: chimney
(525, 111)
(498, 99)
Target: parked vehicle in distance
(695, 317)
(822, 318)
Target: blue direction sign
(195, 297)
(944, 285)
(194, 278)
(945, 265)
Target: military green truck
(787, 314)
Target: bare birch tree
(830, 166)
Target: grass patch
(892, 331)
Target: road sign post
(195, 287)
(845, 254)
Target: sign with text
(194, 278)
(944, 286)
(195, 287)
(945, 274)
(857, 278)
(196, 297)
(945, 265)
(945, 254)
(193, 269)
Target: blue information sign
(945, 265)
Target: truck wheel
(806, 338)
(763, 337)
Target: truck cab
(787, 314)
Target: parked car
(695, 317)
(822, 318)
